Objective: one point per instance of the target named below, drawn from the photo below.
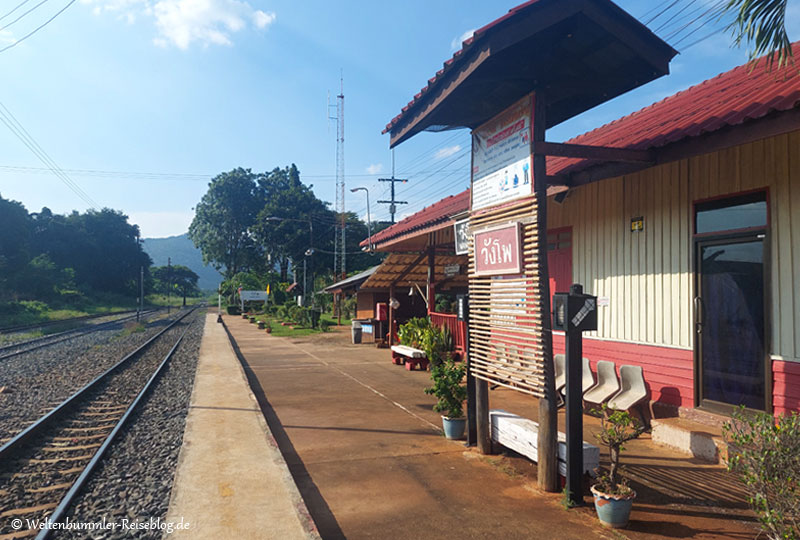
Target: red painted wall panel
(668, 372)
(785, 386)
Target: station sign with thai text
(497, 251)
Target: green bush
(448, 388)
(411, 332)
(765, 453)
(349, 307)
(233, 310)
(325, 325)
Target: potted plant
(448, 389)
(613, 497)
(268, 327)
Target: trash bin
(355, 331)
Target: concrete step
(698, 434)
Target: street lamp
(369, 222)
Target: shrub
(447, 388)
(410, 333)
(325, 325)
(349, 307)
(233, 310)
(765, 453)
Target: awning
(578, 53)
(406, 270)
(353, 282)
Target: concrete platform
(232, 481)
(366, 451)
(700, 440)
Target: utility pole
(169, 282)
(339, 236)
(393, 202)
(141, 293)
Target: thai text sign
(253, 296)
(497, 251)
(501, 157)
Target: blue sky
(141, 102)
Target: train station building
(683, 218)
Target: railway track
(21, 347)
(44, 467)
(48, 324)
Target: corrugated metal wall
(647, 275)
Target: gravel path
(34, 382)
(135, 480)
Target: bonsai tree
(617, 428)
(448, 388)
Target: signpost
(575, 313)
(497, 251)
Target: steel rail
(45, 324)
(68, 498)
(64, 336)
(15, 443)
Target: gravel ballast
(134, 481)
(34, 382)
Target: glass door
(730, 322)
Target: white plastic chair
(633, 390)
(588, 376)
(561, 373)
(607, 383)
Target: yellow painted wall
(647, 275)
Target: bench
(409, 356)
(521, 435)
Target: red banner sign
(497, 251)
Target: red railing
(458, 329)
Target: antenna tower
(340, 208)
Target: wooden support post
(431, 275)
(391, 314)
(482, 416)
(548, 419)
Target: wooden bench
(409, 356)
(521, 435)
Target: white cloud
(263, 19)
(6, 37)
(447, 151)
(375, 168)
(456, 43)
(182, 23)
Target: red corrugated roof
(431, 215)
(728, 99)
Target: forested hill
(182, 251)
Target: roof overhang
(407, 270)
(576, 53)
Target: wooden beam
(547, 471)
(602, 153)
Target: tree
(223, 219)
(285, 225)
(15, 225)
(177, 278)
(761, 23)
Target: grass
(286, 331)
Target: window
(733, 213)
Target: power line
(48, 21)
(15, 9)
(21, 16)
(8, 118)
